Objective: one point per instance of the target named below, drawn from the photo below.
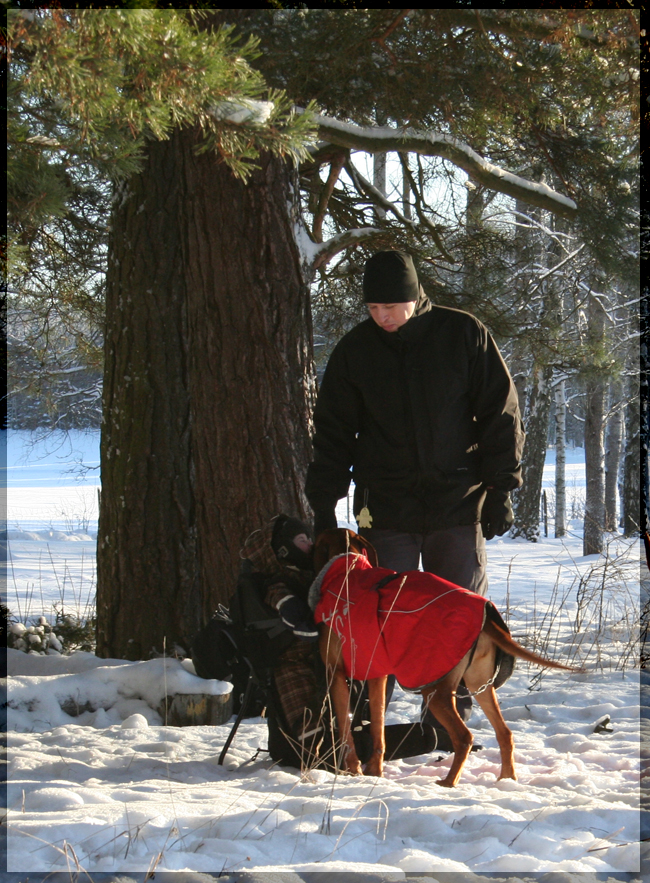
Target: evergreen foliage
(550, 94)
(87, 88)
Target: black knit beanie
(390, 278)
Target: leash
(489, 683)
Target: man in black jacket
(418, 408)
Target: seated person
(282, 551)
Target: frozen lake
(52, 481)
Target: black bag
(258, 628)
(243, 640)
(216, 654)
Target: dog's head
(338, 541)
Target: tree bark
(379, 180)
(406, 191)
(594, 468)
(208, 392)
(560, 459)
(634, 499)
(613, 443)
(526, 500)
(594, 521)
(146, 550)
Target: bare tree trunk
(379, 179)
(519, 364)
(594, 471)
(526, 500)
(406, 191)
(643, 446)
(633, 500)
(613, 443)
(560, 459)
(594, 521)
(208, 390)
(379, 172)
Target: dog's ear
(360, 544)
(338, 541)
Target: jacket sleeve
(336, 424)
(496, 408)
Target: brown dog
(476, 669)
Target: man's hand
(497, 516)
(324, 520)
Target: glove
(296, 614)
(497, 516)
(324, 519)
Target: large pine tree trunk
(250, 361)
(208, 390)
(146, 550)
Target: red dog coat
(416, 626)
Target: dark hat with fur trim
(285, 530)
(390, 278)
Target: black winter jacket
(423, 420)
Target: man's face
(390, 317)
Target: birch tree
(613, 446)
(560, 458)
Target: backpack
(243, 642)
(259, 631)
(215, 654)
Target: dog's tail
(504, 641)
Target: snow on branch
(243, 110)
(325, 251)
(384, 139)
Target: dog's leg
(476, 676)
(490, 705)
(341, 699)
(377, 697)
(441, 701)
(330, 650)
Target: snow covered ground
(98, 783)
